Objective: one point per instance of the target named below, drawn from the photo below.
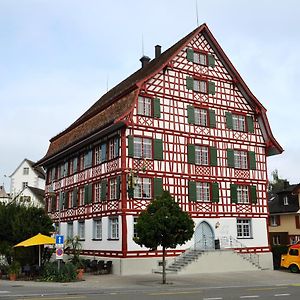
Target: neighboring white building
(4, 197)
(28, 184)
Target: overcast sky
(57, 57)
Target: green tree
(18, 223)
(164, 224)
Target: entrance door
(204, 237)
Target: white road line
(249, 297)
(220, 298)
(4, 292)
(282, 295)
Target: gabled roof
(38, 170)
(38, 193)
(119, 96)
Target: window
(71, 166)
(113, 186)
(81, 196)
(274, 221)
(113, 230)
(142, 147)
(97, 229)
(238, 122)
(70, 199)
(142, 188)
(134, 226)
(201, 155)
(97, 155)
(242, 194)
(201, 117)
(276, 240)
(240, 159)
(81, 162)
(24, 185)
(244, 228)
(203, 191)
(25, 171)
(113, 148)
(200, 58)
(144, 106)
(200, 86)
(285, 200)
(70, 230)
(81, 230)
(294, 252)
(97, 192)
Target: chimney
(145, 60)
(157, 51)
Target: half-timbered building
(184, 122)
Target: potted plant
(14, 270)
(79, 269)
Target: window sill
(245, 238)
(96, 239)
(110, 239)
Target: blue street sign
(59, 239)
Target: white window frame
(244, 228)
(113, 229)
(200, 58)
(201, 155)
(25, 171)
(113, 184)
(81, 230)
(97, 229)
(142, 147)
(144, 106)
(24, 184)
(200, 86)
(276, 240)
(70, 230)
(273, 221)
(97, 155)
(81, 196)
(201, 117)
(97, 192)
(143, 188)
(238, 122)
(203, 192)
(285, 200)
(243, 194)
(240, 159)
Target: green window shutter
(90, 191)
(103, 152)
(230, 158)
(156, 108)
(118, 187)
(253, 194)
(62, 170)
(157, 187)
(228, 116)
(88, 159)
(190, 54)
(252, 160)
(75, 197)
(67, 199)
(211, 87)
(61, 200)
(233, 193)
(212, 118)
(86, 194)
(215, 192)
(213, 156)
(75, 163)
(191, 114)
(191, 153)
(211, 60)
(130, 146)
(66, 168)
(192, 191)
(250, 124)
(189, 83)
(158, 149)
(103, 189)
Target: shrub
(66, 273)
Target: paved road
(241, 285)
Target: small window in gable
(200, 58)
(144, 106)
(201, 117)
(200, 86)
(238, 122)
(285, 200)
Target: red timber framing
(167, 80)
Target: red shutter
(297, 222)
(278, 221)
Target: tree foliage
(18, 223)
(164, 224)
(277, 183)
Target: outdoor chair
(108, 267)
(94, 266)
(100, 267)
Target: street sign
(59, 239)
(59, 253)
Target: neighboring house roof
(3, 193)
(276, 200)
(38, 170)
(116, 103)
(38, 193)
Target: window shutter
(62, 170)
(250, 124)
(53, 203)
(130, 146)
(61, 200)
(53, 174)
(230, 158)
(253, 194)
(88, 159)
(191, 153)
(156, 108)
(86, 194)
(189, 83)
(212, 118)
(213, 156)
(278, 220)
(215, 192)
(75, 163)
(233, 193)
(103, 189)
(297, 219)
(252, 160)
(157, 187)
(192, 191)
(67, 199)
(211, 87)
(158, 149)
(118, 187)
(228, 116)
(117, 146)
(191, 114)
(211, 60)
(75, 197)
(66, 168)
(190, 54)
(103, 152)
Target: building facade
(185, 122)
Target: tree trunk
(164, 266)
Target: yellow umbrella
(37, 240)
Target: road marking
(281, 295)
(56, 298)
(173, 293)
(250, 296)
(213, 298)
(4, 292)
(267, 288)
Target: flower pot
(80, 274)
(13, 276)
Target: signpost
(59, 245)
